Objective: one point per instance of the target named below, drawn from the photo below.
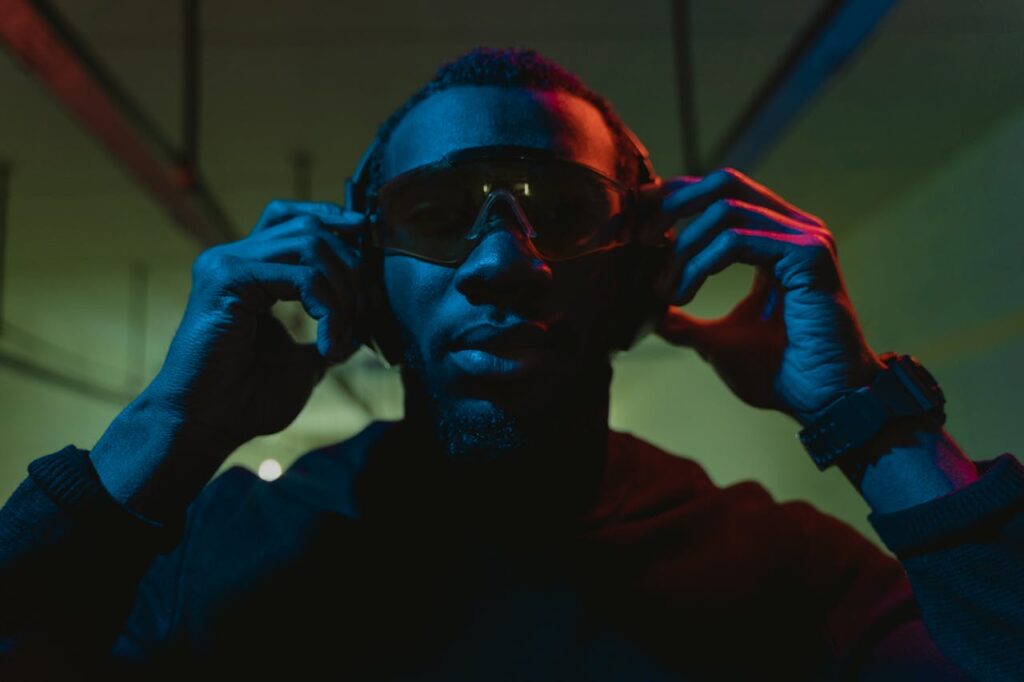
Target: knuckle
(208, 261)
(722, 208)
(305, 222)
(730, 177)
(275, 207)
(830, 239)
(213, 265)
(820, 248)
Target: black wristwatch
(904, 389)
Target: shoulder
(643, 479)
(318, 481)
(692, 542)
(671, 494)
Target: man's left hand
(794, 343)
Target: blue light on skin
(485, 404)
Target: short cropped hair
(512, 67)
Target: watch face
(925, 387)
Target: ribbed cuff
(948, 520)
(69, 479)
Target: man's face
(503, 338)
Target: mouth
(507, 352)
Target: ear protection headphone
(639, 307)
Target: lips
(509, 339)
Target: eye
(432, 215)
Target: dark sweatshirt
(357, 565)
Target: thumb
(682, 329)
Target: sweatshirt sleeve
(964, 555)
(71, 560)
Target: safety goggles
(441, 211)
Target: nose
(504, 268)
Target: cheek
(595, 298)
(591, 284)
(415, 291)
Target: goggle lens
(435, 212)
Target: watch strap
(903, 389)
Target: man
(495, 245)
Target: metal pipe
(37, 371)
(5, 177)
(820, 52)
(36, 36)
(682, 43)
(191, 85)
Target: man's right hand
(233, 371)
(232, 368)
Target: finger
(308, 225)
(333, 215)
(753, 247)
(281, 345)
(652, 197)
(659, 187)
(304, 241)
(680, 328)
(287, 235)
(272, 282)
(313, 250)
(763, 301)
(722, 214)
(301, 240)
(724, 183)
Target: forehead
(474, 116)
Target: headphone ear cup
(644, 300)
(647, 291)
(375, 325)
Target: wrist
(911, 461)
(856, 379)
(152, 461)
(903, 389)
(898, 435)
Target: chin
(479, 430)
(486, 418)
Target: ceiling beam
(5, 176)
(821, 50)
(190, 84)
(682, 43)
(40, 372)
(39, 39)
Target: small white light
(269, 469)
(487, 188)
(526, 189)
